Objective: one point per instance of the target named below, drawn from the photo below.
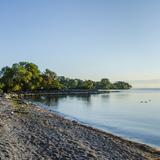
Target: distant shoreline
(66, 92)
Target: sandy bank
(30, 132)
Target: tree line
(25, 76)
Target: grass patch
(20, 107)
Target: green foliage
(24, 76)
(121, 85)
(5, 79)
(68, 83)
(1, 87)
(88, 84)
(49, 80)
(20, 77)
(104, 84)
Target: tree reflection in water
(53, 100)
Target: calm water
(121, 113)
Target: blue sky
(88, 39)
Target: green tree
(62, 81)
(70, 83)
(20, 77)
(1, 87)
(88, 84)
(25, 76)
(79, 83)
(5, 78)
(121, 85)
(103, 84)
(50, 81)
(34, 76)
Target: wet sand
(28, 132)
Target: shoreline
(80, 123)
(73, 119)
(58, 137)
(102, 130)
(66, 92)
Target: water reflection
(105, 97)
(53, 100)
(46, 100)
(120, 113)
(85, 98)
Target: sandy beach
(29, 132)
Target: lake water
(133, 114)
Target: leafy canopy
(25, 76)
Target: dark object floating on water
(145, 101)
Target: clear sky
(88, 39)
